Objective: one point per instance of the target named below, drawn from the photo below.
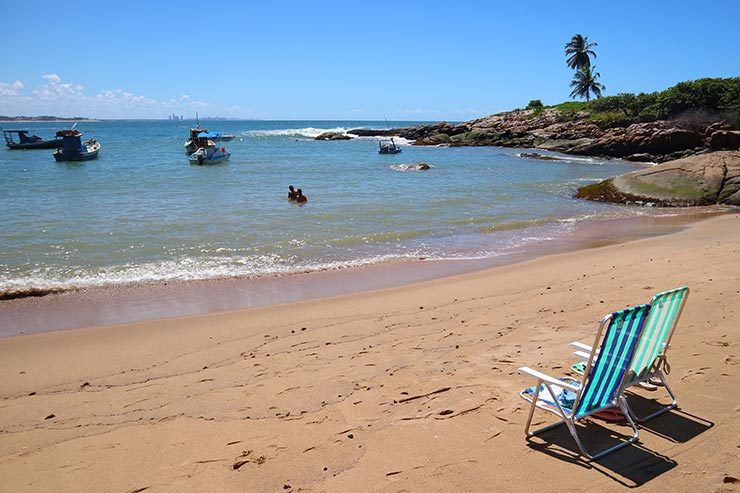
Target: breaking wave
(306, 132)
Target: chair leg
(662, 410)
(531, 414)
(570, 423)
(622, 403)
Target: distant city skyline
(426, 60)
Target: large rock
(574, 133)
(333, 136)
(725, 139)
(654, 138)
(706, 179)
(375, 132)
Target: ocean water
(142, 213)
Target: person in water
(300, 198)
(292, 194)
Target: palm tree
(584, 83)
(579, 52)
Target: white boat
(208, 152)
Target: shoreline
(409, 388)
(122, 304)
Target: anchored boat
(192, 144)
(26, 141)
(73, 149)
(208, 152)
(388, 146)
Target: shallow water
(142, 213)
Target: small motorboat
(388, 146)
(192, 143)
(223, 137)
(208, 152)
(73, 149)
(26, 141)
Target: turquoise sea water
(142, 213)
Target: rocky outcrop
(375, 132)
(655, 138)
(536, 155)
(724, 139)
(333, 136)
(575, 133)
(706, 179)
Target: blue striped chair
(650, 361)
(601, 385)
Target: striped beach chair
(650, 361)
(601, 384)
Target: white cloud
(52, 78)
(11, 89)
(56, 97)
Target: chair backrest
(665, 309)
(605, 375)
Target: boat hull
(91, 153)
(207, 161)
(45, 144)
(389, 151)
(190, 147)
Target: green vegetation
(571, 106)
(717, 97)
(705, 100)
(585, 82)
(536, 106)
(579, 52)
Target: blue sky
(420, 60)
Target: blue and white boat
(208, 152)
(388, 146)
(73, 149)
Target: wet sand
(411, 388)
(126, 304)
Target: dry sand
(403, 389)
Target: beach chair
(650, 361)
(601, 384)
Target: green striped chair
(650, 360)
(601, 384)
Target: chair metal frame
(657, 366)
(571, 417)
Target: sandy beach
(410, 388)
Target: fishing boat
(73, 149)
(208, 152)
(26, 141)
(388, 146)
(192, 144)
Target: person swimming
(300, 198)
(292, 194)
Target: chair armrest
(581, 346)
(547, 378)
(582, 355)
